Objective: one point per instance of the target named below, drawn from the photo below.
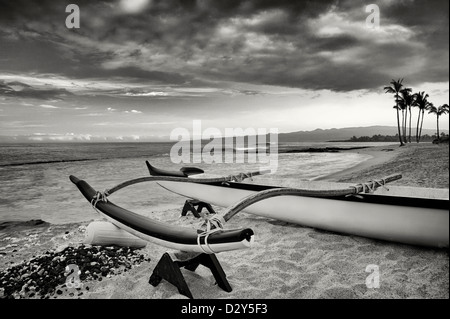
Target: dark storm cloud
(305, 44)
(333, 44)
(419, 14)
(21, 90)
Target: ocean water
(34, 178)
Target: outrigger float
(417, 216)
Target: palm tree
(403, 108)
(395, 89)
(407, 102)
(443, 109)
(420, 100)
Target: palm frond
(389, 89)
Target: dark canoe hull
(179, 238)
(183, 172)
(418, 220)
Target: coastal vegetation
(393, 138)
(405, 100)
(438, 111)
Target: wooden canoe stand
(170, 270)
(196, 207)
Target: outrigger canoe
(174, 237)
(410, 215)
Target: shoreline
(306, 263)
(421, 165)
(380, 155)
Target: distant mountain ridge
(317, 135)
(335, 134)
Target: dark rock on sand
(44, 275)
(23, 224)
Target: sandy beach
(421, 165)
(303, 263)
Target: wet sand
(287, 261)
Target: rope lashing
(212, 222)
(99, 197)
(212, 225)
(238, 178)
(370, 186)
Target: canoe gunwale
(357, 196)
(360, 197)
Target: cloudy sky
(140, 68)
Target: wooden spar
(231, 178)
(253, 198)
(371, 186)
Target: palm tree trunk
(403, 126)
(437, 119)
(410, 115)
(398, 126)
(405, 136)
(421, 124)
(417, 128)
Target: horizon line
(88, 138)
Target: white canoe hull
(405, 224)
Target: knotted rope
(370, 186)
(99, 197)
(212, 225)
(238, 178)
